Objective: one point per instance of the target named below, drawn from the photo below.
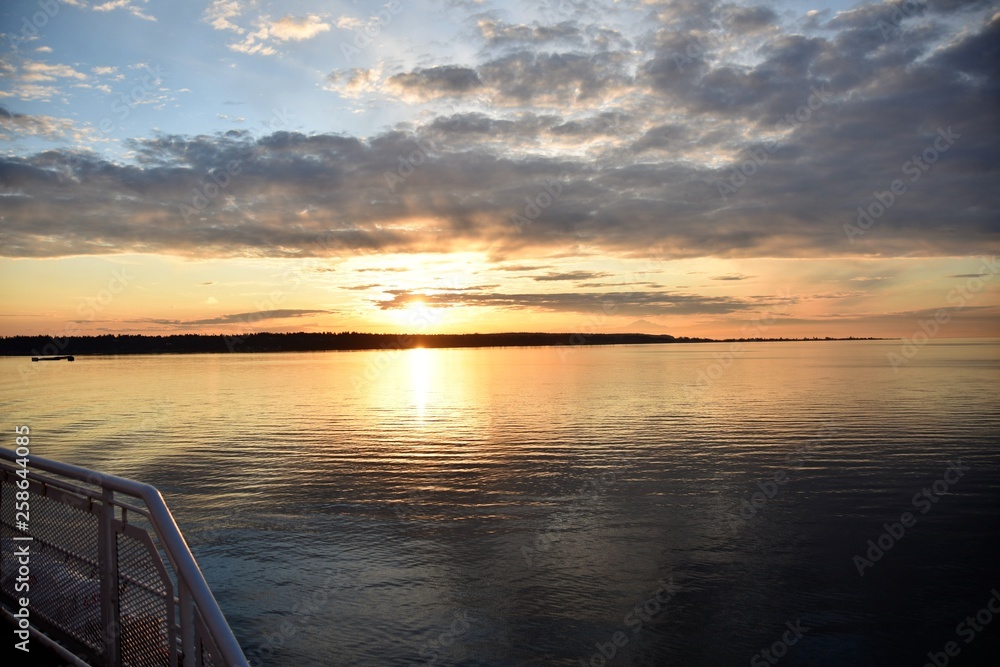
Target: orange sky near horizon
(443, 294)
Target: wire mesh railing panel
(145, 604)
(94, 536)
(64, 579)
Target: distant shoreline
(16, 346)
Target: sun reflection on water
(421, 378)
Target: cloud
(36, 71)
(520, 267)
(226, 15)
(235, 318)
(34, 80)
(618, 284)
(733, 276)
(297, 28)
(126, 5)
(348, 23)
(220, 13)
(748, 19)
(435, 82)
(572, 275)
(636, 303)
(555, 78)
(354, 83)
(13, 125)
(498, 33)
(521, 78)
(592, 36)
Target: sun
(417, 316)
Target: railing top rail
(59, 482)
(171, 539)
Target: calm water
(516, 506)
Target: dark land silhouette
(319, 342)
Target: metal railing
(111, 580)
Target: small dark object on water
(68, 357)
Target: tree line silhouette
(318, 342)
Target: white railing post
(107, 556)
(187, 623)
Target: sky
(697, 168)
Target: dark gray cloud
(749, 19)
(605, 123)
(520, 78)
(438, 81)
(526, 76)
(500, 33)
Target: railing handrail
(171, 538)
